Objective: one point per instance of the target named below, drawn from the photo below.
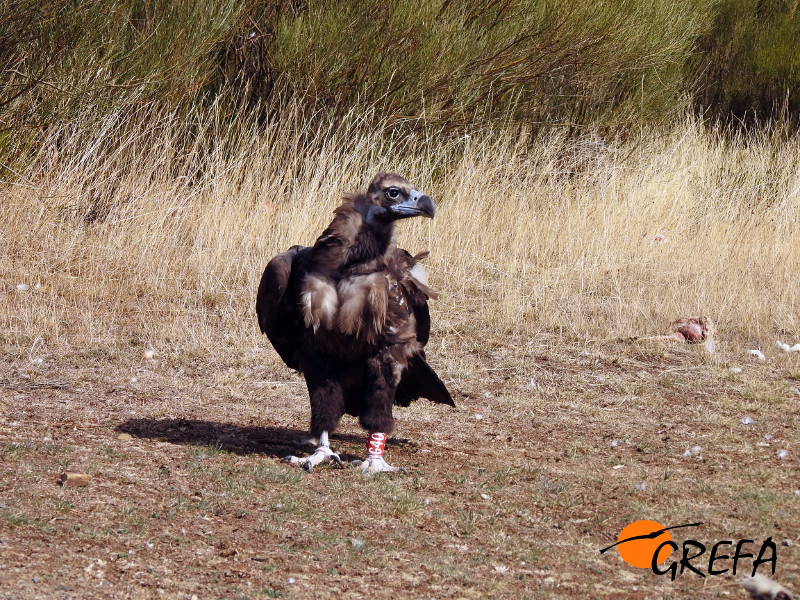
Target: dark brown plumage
(351, 314)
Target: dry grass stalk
(127, 236)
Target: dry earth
(555, 446)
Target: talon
(321, 454)
(376, 464)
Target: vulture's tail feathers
(420, 381)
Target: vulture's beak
(418, 204)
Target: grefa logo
(648, 545)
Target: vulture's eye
(393, 193)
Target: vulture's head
(390, 197)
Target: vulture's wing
(276, 303)
(419, 380)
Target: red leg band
(376, 444)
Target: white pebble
(533, 383)
(290, 581)
(357, 543)
(696, 449)
(614, 443)
(758, 354)
(478, 416)
(640, 486)
(783, 453)
(747, 420)
(768, 436)
(485, 496)
(22, 287)
(736, 370)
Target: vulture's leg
(323, 453)
(327, 407)
(376, 416)
(374, 462)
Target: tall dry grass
(136, 234)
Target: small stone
(758, 354)
(783, 453)
(478, 416)
(290, 581)
(357, 543)
(614, 443)
(787, 542)
(22, 287)
(641, 487)
(747, 420)
(736, 370)
(485, 496)
(125, 436)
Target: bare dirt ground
(555, 446)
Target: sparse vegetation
(138, 214)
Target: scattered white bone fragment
(22, 287)
(758, 354)
(783, 453)
(747, 420)
(786, 347)
(764, 588)
(614, 443)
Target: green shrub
(750, 60)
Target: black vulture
(351, 314)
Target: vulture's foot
(321, 454)
(376, 464)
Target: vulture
(351, 314)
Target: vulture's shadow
(273, 441)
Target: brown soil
(555, 446)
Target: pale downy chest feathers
(360, 286)
(369, 307)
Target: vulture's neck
(353, 239)
(371, 242)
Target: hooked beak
(418, 204)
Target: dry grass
(590, 240)
(549, 255)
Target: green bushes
(609, 65)
(596, 64)
(750, 60)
